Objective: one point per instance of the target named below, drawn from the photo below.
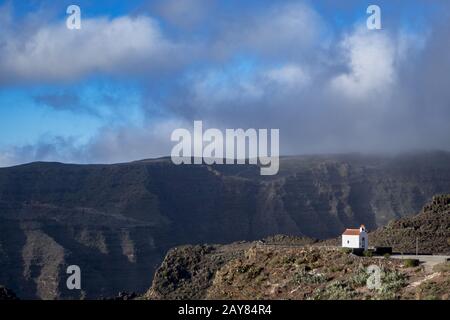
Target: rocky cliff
(429, 230)
(117, 221)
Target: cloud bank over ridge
(328, 87)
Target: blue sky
(114, 90)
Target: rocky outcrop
(429, 230)
(7, 294)
(187, 271)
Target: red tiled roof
(351, 232)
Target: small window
(348, 241)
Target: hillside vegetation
(253, 271)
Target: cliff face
(117, 221)
(430, 230)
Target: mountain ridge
(118, 221)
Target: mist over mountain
(118, 221)
(311, 69)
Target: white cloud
(109, 145)
(371, 61)
(405, 71)
(217, 88)
(52, 52)
(121, 144)
(290, 76)
(5, 159)
(49, 148)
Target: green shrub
(359, 279)
(336, 290)
(243, 269)
(337, 268)
(391, 283)
(368, 253)
(304, 276)
(254, 271)
(346, 250)
(288, 260)
(386, 255)
(409, 263)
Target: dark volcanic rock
(124, 296)
(117, 221)
(7, 294)
(429, 230)
(187, 271)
